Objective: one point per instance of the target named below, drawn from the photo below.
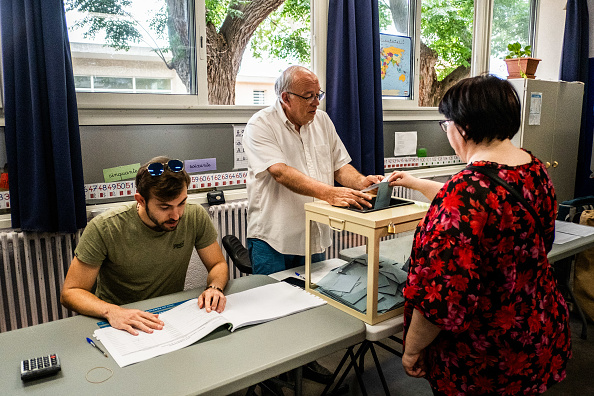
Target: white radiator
(230, 218)
(32, 273)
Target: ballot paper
(566, 231)
(186, 324)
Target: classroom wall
(111, 146)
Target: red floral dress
(479, 271)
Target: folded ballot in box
(348, 284)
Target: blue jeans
(265, 260)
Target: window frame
(147, 108)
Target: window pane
(142, 39)
(395, 17)
(153, 84)
(82, 82)
(112, 83)
(511, 23)
(396, 49)
(282, 38)
(258, 97)
(446, 47)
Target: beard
(166, 226)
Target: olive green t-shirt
(139, 263)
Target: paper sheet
(186, 324)
(405, 143)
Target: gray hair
(285, 80)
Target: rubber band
(98, 382)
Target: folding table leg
(352, 364)
(379, 369)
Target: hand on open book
(133, 319)
(212, 299)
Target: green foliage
(109, 17)
(285, 34)
(217, 10)
(516, 51)
(446, 28)
(385, 18)
(511, 22)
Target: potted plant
(519, 63)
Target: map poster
(395, 58)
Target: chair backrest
(238, 253)
(572, 210)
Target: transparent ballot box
(364, 256)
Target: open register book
(186, 324)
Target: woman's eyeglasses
(444, 124)
(157, 168)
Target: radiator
(33, 269)
(230, 218)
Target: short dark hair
(486, 107)
(166, 187)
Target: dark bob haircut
(486, 107)
(165, 187)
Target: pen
(95, 346)
(299, 275)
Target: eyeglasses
(319, 96)
(444, 124)
(157, 168)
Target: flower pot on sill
(517, 65)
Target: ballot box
(366, 285)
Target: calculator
(38, 367)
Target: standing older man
(294, 155)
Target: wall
(549, 38)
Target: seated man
(142, 250)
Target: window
(186, 47)
(441, 33)
(121, 84)
(258, 97)
(513, 21)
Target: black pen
(95, 346)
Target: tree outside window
(156, 38)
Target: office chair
(238, 254)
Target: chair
(238, 254)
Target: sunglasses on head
(157, 168)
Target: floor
(579, 381)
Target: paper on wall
(405, 143)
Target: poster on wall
(395, 58)
(239, 156)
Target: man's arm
(218, 274)
(76, 295)
(305, 185)
(350, 177)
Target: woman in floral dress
(483, 313)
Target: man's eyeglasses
(157, 168)
(320, 96)
(444, 124)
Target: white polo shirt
(275, 213)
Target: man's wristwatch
(214, 287)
